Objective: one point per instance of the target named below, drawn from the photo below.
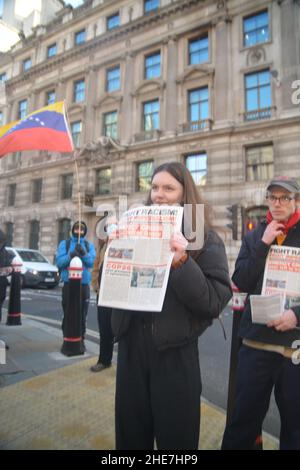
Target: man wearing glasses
(265, 357)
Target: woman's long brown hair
(191, 194)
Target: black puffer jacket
(196, 293)
(5, 258)
(248, 277)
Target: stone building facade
(214, 84)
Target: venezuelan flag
(44, 129)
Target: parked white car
(37, 271)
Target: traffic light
(250, 225)
(233, 217)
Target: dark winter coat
(248, 277)
(196, 293)
(5, 258)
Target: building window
(22, 109)
(256, 28)
(198, 104)
(150, 5)
(151, 115)
(51, 51)
(110, 124)
(113, 79)
(80, 37)
(11, 196)
(198, 50)
(79, 91)
(34, 234)
(26, 64)
(76, 130)
(50, 97)
(3, 77)
(37, 190)
(103, 181)
(64, 229)
(112, 21)
(66, 186)
(144, 175)
(9, 232)
(258, 95)
(259, 163)
(197, 165)
(152, 66)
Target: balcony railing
(195, 126)
(147, 135)
(259, 114)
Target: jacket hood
(83, 225)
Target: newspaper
(137, 262)
(281, 276)
(265, 308)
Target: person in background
(158, 383)
(265, 357)
(5, 263)
(103, 313)
(68, 249)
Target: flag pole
(75, 154)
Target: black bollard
(72, 325)
(14, 305)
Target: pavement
(52, 402)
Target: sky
(74, 3)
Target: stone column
(171, 91)
(91, 96)
(126, 108)
(290, 50)
(221, 105)
(61, 90)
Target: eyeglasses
(283, 200)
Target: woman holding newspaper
(268, 358)
(158, 384)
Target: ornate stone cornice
(149, 85)
(195, 71)
(77, 107)
(107, 97)
(122, 33)
(104, 149)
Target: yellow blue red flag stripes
(44, 129)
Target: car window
(32, 256)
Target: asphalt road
(214, 350)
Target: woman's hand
(178, 245)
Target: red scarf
(289, 224)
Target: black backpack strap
(68, 243)
(87, 246)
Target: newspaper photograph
(282, 274)
(138, 258)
